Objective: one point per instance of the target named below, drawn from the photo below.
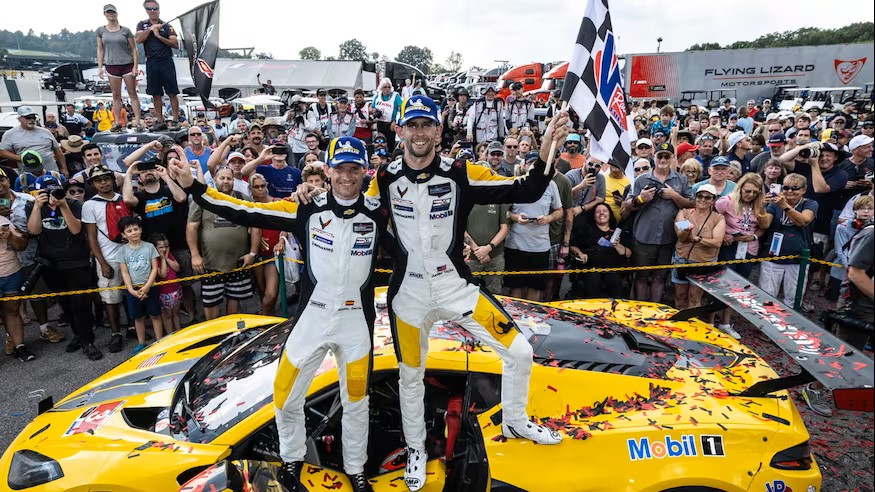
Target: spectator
(28, 136)
(777, 144)
(267, 87)
(863, 211)
(364, 125)
(706, 151)
(138, 262)
(639, 167)
(319, 116)
(656, 196)
(718, 177)
(644, 149)
(163, 208)
(594, 245)
(739, 150)
(59, 132)
(615, 184)
(100, 215)
(220, 130)
(757, 142)
(860, 286)
(686, 151)
(485, 118)
(587, 186)
(282, 179)
(197, 150)
(13, 241)
(790, 218)
(300, 128)
(456, 113)
(72, 121)
(525, 145)
(773, 173)
(169, 294)
(700, 231)
(342, 121)
(31, 170)
(726, 110)
(520, 109)
(734, 171)
(692, 170)
(117, 52)
(384, 111)
(103, 118)
(266, 276)
(665, 123)
(512, 157)
(488, 226)
(64, 254)
(857, 166)
(88, 110)
(560, 231)
(159, 41)
(744, 122)
(495, 159)
(527, 246)
(218, 245)
(573, 151)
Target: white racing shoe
(533, 432)
(414, 472)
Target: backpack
(115, 210)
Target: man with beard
(363, 123)
(573, 153)
(218, 245)
(29, 136)
(93, 156)
(331, 315)
(456, 115)
(520, 111)
(485, 118)
(431, 279)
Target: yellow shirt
(104, 119)
(611, 185)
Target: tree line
(421, 58)
(858, 32)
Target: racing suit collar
(345, 211)
(421, 175)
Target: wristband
(491, 245)
(639, 199)
(252, 254)
(565, 244)
(787, 209)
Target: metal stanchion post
(804, 256)
(281, 266)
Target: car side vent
(215, 340)
(585, 365)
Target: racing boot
(414, 472)
(531, 431)
(360, 482)
(290, 474)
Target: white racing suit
(336, 310)
(430, 281)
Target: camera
(29, 283)
(378, 113)
(657, 191)
(808, 153)
(56, 191)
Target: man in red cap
(686, 151)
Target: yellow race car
(645, 402)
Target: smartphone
(147, 165)
(617, 193)
(464, 144)
(616, 234)
(682, 224)
(775, 188)
(737, 234)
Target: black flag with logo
(200, 36)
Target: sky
(516, 31)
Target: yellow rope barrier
(822, 262)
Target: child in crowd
(170, 294)
(138, 261)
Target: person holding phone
(596, 242)
(11, 242)
(700, 232)
(282, 179)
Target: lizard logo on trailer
(607, 76)
(847, 70)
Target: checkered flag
(593, 87)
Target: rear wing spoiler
(840, 367)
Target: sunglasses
(791, 188)
(642, 169)
(379, 141)
(664, 157)
(512, 146)
(30, 117)
(644, 147)
(705, 198)
(152, 9)
(499, 153)
(195, 134)
(258, 187)
(76, 191)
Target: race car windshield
(228, 387)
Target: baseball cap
(664, 147)
(342, 99)
(347, 149)
(719, 161)
(859, 141)
(490, 87)
(835, 149)
(109, 8)
(26, 111)
(494, 145)
(296, 98)
(773, 116)
(736, 137)
(236, 155)
(644, 141)
(98, 171)
(321, 92)
(733, 116)
(31, 160)
(418, 107)
(532, 156)
(516, 86)
(777, 139)
(707, 188)
(461, 154)
(45, 181)
(826, 135)
(685, 147)
(572, 137)
(714, 114)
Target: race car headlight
(29, 468)
(796, 458)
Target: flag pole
(548, 167)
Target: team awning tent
(285, 74)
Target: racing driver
(429, 199)
(339, 231)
